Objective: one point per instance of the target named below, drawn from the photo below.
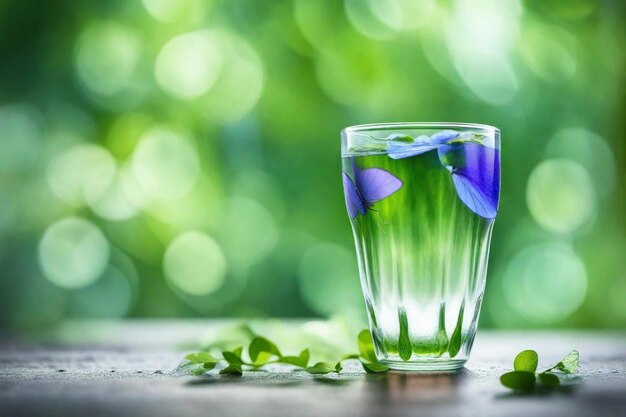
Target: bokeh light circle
(363, 16)
(545, 283)
(240, 84)
(110, 296)
(83, 172)
(21, 137)
(107, 56)
(175, 10)
(480, 52)
(560, 195)
(195, 264)
(117, 202)
(248, 231)
(549, 52)
(166, 164)
(591, 151)
(188, 65)
(329, 280)
(73, 253)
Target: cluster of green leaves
(524, 377)
(262, 351)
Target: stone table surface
(128, 369)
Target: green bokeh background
(180, 158)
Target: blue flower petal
(422, 144)
(444, 136)
(475, 173)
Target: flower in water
(369, 186)
(475, 168)
(399, 149)
(475, 173)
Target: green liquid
(423, 259)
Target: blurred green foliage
(178, 158)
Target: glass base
(426, 365)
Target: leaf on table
(322, 368)
(350, 356)
(519, 380)
(549, 380)
(261, 350)
(374, 367)
(233, 357)
(366, 346)
(188, 368)
(209, 365)
(200, 357)
(301, 360)
(526, 360)
(232, 370)
(569, 364)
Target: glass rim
(418, 125)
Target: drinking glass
(422, 199)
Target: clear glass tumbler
(422, 199)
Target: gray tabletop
(128, 369)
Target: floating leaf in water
(441, 338)
(404, 342)
(456, 339)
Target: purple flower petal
(354, 203)
(444, 136)
(475, 173)
(374, 184)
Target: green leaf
(209, 365)
(374, 367)
(569, 364)
(350, 356)
(189, 368)
(526, 360)
(338, 367)
(519, 380)
(322, 368)
(549, 380)
(366, 143)
(200, 357)
(400, 138)
(441, 338)
(366, 345)
(301, 360)
(404, 343)
(261, 350)
(232, 370)
(233, 357)
(456, 339)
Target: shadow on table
(390, 386)
(415, 387)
